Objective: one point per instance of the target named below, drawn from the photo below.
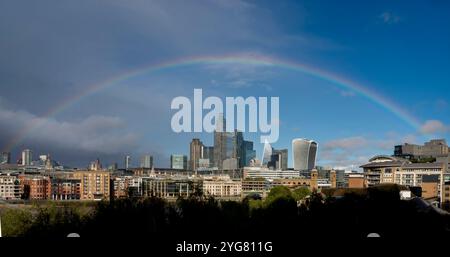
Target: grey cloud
(99, 134)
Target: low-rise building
(430, 186)
(36, 187)
(94, 185)
(255, 186)
(10, 188)
(356, 180)
(65, 189)
(261, 172)
(169, 187)
(221, 186)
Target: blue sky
(53, 50)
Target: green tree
(16, 222)
(300, 193)
(276, 193)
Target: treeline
(283, 214)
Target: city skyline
(357, 80)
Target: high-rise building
(127, 162)
(178, 162)
(220, 142)
(279, 159)
(5, 158)
(304, 154)
(95, 165)
(249, 152)
(27, 157)
(267, 154)
(208, 154)
(228, 145)
(146, 161)
(196, 148)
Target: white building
(27, 157)
(10, 188)
(221, 186)
(262, 172)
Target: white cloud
(346, 143)
(388, 17)
(434, 126)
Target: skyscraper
(127, 162)
(220, 142)
(208, 153)
(5, 158)
(279, 159)
(178, 162)
(304, 154)
(267, 154)
(95, 165)
(146, 161)
(196, 148)
(228, 145)
(27, 157)
(249, 152)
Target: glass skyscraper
(178, 162)
(146, 161)
(304, 154)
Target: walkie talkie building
(304, 154)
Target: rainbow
(228, 59)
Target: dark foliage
(352, 216)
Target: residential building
(430, 186)
(95, 185)
(433, 148)
(356, 180)
(10, 188)
(36, 187)
(64, 189)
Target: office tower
(249, 152)
(178, 162)
(113, 166)
(304, 154)
(27, 157)
(238, 151)
(195, 153)
(5, 158)
(278, 160)
(208, 154)
(127, 162)
(95, 165)
(267, 154)
(146, 161)
(220, 139)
